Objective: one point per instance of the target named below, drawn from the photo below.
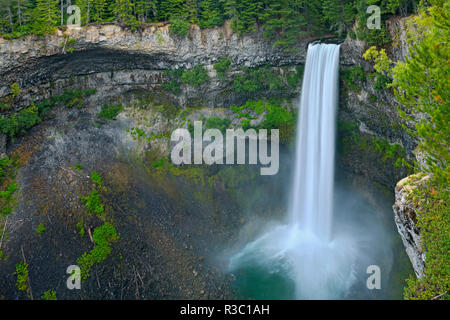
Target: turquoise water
(372, 226)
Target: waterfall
(312, 193)
(320, 265)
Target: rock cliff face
(405, 219)
(107, 49)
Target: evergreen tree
(171, 8)
(124, 10)
(45, 16)
(98, 10)
(284, 21)
(191, 11)
(85, 8)
(211, 14)
(22, 9)
(7, 18)
(422, 85)
(244, 14)
(338, 14)
(145, 10)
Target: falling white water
(320, 265)
(312, 194)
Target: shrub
(92, 202)
(381, 82)
(222, 67)
(72, 98)
(10, 189)
(40, 229)
(97, 179)
(217, 123)
(80, 226)
(172, 86)
(103, 236)
(110, 111)
(15, 90)
(253, 80)
(179, 26)
(197, 76)
(293, 78)
(49, 295)
(22, 276)
(5, 165)
(352, 75)
(20, 122)
(158, 164)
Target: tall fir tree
(338, 14)
(145, 10)
(85, 8)
(45, 16)
(98, 10)
(7, 16)
(124, 10)
(211, 14)
(172, 8)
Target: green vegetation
(197, 76)
(93, 203)
(253, 80)
(110, 111)
(382, 66)
(22, 276)
(158, 164)
(276, 117)
(433, 222)
(80, 227)
(351, 76)
(350, 139)
(139, 134)
(78, 167)
(8, 168)
(217, 123)
(19, 122)
(381, 82)
(103, 236)
(421, 85)
(7, 199)
(173, 85)
(49, 295)
(97, 179)
(179, 26)
(293, 78)
(281, 20)
(222, 67)
(15, 90)
(72, 98)
(40, 229)
(391, 151)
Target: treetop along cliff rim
(213, 153)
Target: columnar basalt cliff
(109, 48)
